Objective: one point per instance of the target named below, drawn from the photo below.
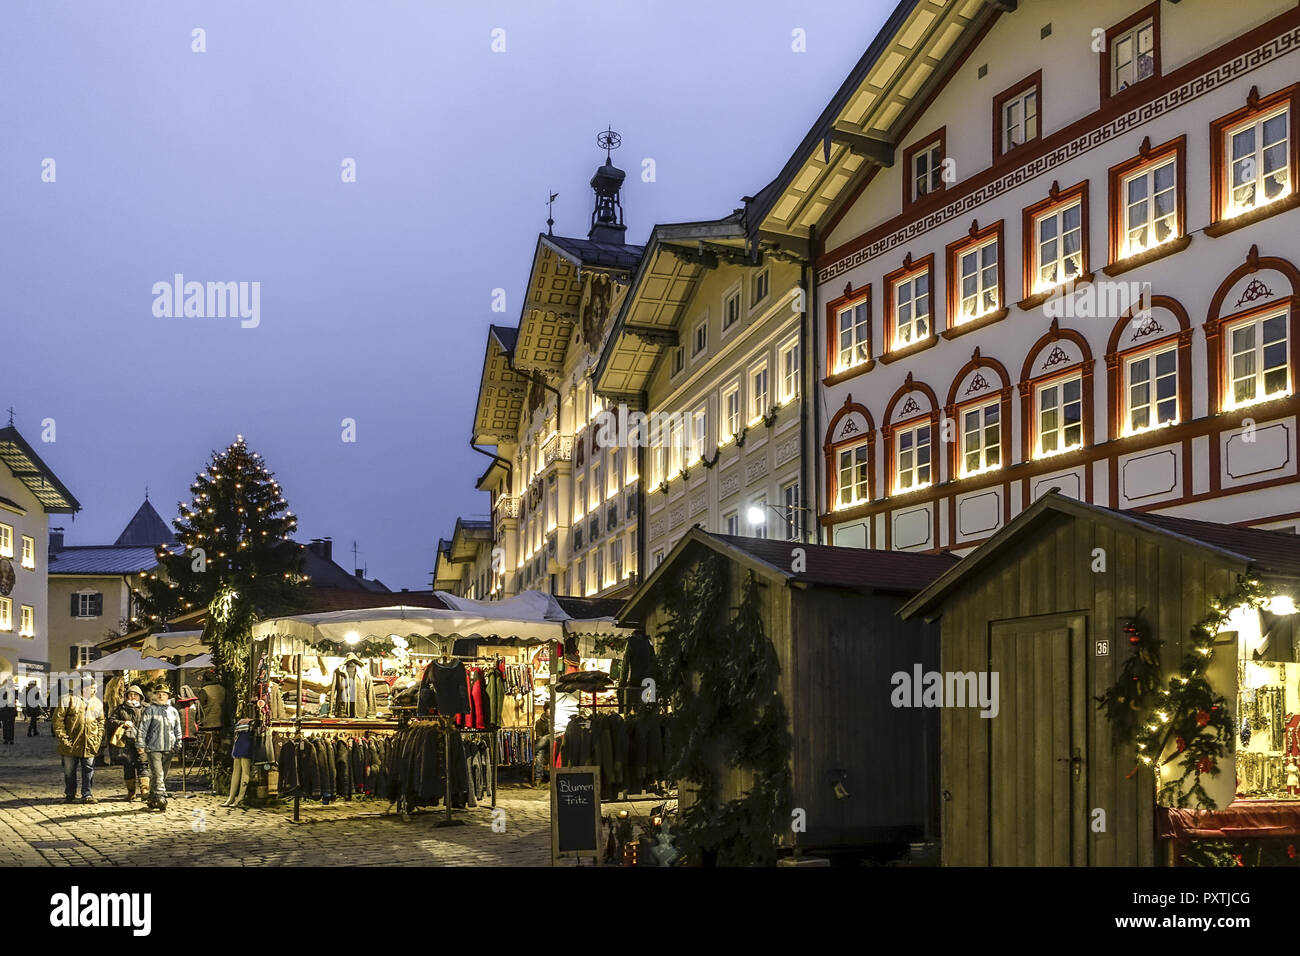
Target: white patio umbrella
(128, 659)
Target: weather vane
(550, 213)
(608, 140)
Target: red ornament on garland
(1290, 850)
(1205, 765)
(1180, 743)
(1202, 718)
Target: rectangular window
(760, 287)
(85, 654)
(699, 432)
(911, 309)
(657, 558)
(27, 622)
(1059, 246)
(700, 340)
(598, 569)
(853, 476)
(1132, 55)
(676, 447)
(583, 587)
(731, 523)
(1150, 207)
(1060, 416)
(88, 605)
(679, 359)
(6, 541)
(731, 412)
(792, 505)
(731, 309)
(29, 553)
(579, 500)
(1019, 119)
(616, 559)
(6, 614)
(978, 278)
(1152, 390)
(926, 170)
(981, 440)
(594, 501)
(615, 474)
(789, 363)
(1257, 360)
(1259, 161)
(853, 323)
(913, 458)
(758, 393)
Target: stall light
(352, 637)
(756, 515)
(1281, 605)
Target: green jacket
(79, 725)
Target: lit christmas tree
(236, 558)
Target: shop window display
(1268, 706)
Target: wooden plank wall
(1050, 572)
(843, 651)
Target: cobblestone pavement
(38, 829)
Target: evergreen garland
(722, 682)
(1129, 697)
(1188, 714)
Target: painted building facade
(29, 493)
(709, 345)
(565, 515)
(1054, 250)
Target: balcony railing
(559, 448)
(508, 507)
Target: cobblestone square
(38, 829)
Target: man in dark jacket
(32, 704)
(8, 710)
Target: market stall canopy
(174, 644)
(532, 617)
(203, 660)
(129, 659)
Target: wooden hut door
(1038, 772)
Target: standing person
(159, 737)
(79, 730)
(8, 710)
(122, 730)
(32, 708)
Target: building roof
(676, 259)
(1250, 550)
(501, 391)
(145, 528)
(591, 254)
(856, 569)
(860, 128)
(27, 467)
(325, 573)
(103, 559)
(589, 607)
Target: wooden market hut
(1042, 603)
(864, 771)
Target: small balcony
(559, 448)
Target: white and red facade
(977, 335)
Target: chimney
(322, 548)
(361, 574)
(56, 540)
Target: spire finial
(608, 140)
(146, 492)
(11, 416)
(550, 214)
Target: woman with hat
(122, 730)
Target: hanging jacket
(342, 769)
(638, 664)
(477, 716)
(212, 700)
(496, 696)
(362, 702)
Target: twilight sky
(375, 295)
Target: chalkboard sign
(575, 811)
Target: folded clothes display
(588, 682)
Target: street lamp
(757, 515)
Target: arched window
(850, 450)
(1250, 335)
(911, 437)
(1056, 394)
(1149, 368)
(979, 405)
